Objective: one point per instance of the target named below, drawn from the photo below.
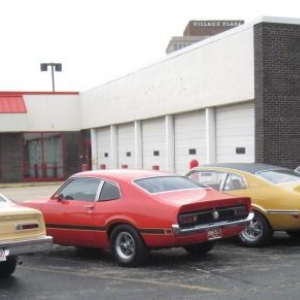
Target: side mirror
(58, 197)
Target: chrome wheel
(254, 231)
(125, 246)
(259, 233)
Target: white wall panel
(104, 153)
(189, 137)
(126, 145)
(154, 143)
(235, 129)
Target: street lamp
(54, 66)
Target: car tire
(199, 249)
(258, 234)
(128, 247)
(295, 234)
(8, 267)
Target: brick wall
(277, 94)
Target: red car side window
(109, 191)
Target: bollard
(85, 167)
(194, 163)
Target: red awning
(12, 104)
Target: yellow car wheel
(258, 234)
(8, 267)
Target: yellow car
(274, 192)
(22, 231)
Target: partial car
(130, 212)
(274, 193)
(22, 231)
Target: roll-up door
(235, 133)
(190, 140)
(103, 147)
(126, 145)
(154, 141)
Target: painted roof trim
(21, 93)
(12, 104)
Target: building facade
(40, 136)
(232, 97)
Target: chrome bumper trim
(201, 228)
(27, 246)
(283, 212)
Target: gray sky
(99, 40)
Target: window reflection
(43, 155)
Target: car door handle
(89, 207)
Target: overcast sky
(99, 40)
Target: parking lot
(227, 272)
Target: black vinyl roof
(247, 167)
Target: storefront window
(43, 156)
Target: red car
(133, 211)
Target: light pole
(54, 66)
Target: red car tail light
(187, 219)
(28, 226)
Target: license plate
(2, 255)
(214, 234)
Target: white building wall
(52, 112)
(215, 71)
(45, 112)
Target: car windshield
(2, 199)
(279, 176)
(167, 183)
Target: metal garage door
(190, 141)
(103, 147)
(235, 133)
(126, 145)
(154, 141)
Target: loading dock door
(154, 143)
(235, 133)
(190, 141)
(126, 145)
(104, 147)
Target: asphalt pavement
(228, 272)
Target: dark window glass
(81, 189)
(192, 151)
(279, 176)
(109, 191)
(209, 178)
(167, 184)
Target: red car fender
(119, 219)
